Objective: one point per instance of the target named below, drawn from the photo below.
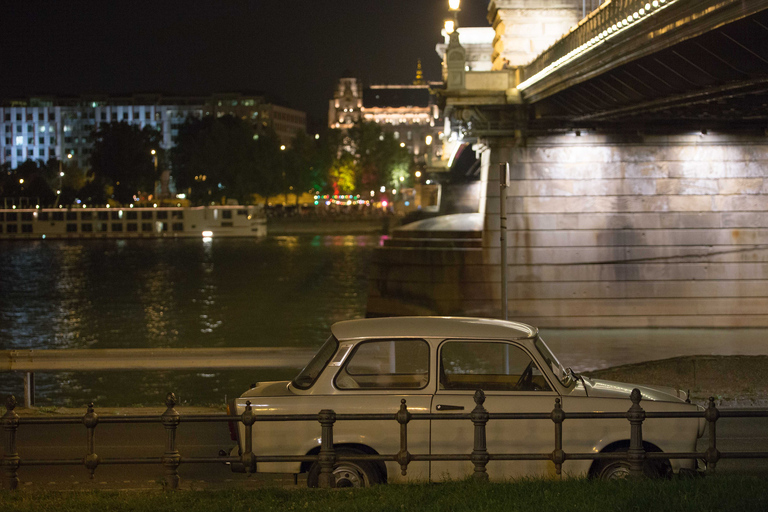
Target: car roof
(432, 327)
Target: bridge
(637, 144)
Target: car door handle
(442, 407)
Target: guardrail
(30, 361)
(612, 17)
(171, 459)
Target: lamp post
(454, 7)
(61, 178)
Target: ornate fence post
(248, 419)
(711, 414)
(90, 420)
(636, 452)
(11, 458)
(327, 455)
(479, 417)
(558, 455)
(403, 456)
(171, 458)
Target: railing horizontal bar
(675, 414)
(596, 456)
(674, 455)
(60, 420)
(595, 415)
(441, 457)
(287, 458)
(521, 456)
(519, 416)
(208, 460)
(145, 460)
(51, 462)
(365, 417)
(205, 418)
(743, 455)
(743, 413)
(144, 418)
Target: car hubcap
(616, 472)
(349, 476)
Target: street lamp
(454, 6)
(61, 177)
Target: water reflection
(281, 291)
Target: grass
(722, 493)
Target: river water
(279, 291)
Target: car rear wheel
(348, 473)
(619, 469)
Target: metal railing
(609, 18)
(171, 459)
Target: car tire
(619, 469)
(349, 474)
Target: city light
(402, 144)
(450, 26)
(454, 4)
(402, 178)
(428, 140)
(21, 181)
(418, 174)
(282, 148)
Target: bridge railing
(636, 455)
(611, 18)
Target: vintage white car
(436, 365)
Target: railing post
(91, 460)
(479, 457)
(327, 455)
(171, 458)
(248, 458)
(711, 414)
(29, 389)
(636, 452)
(403, 456)
(11, 458)
(558, 455)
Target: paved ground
(590, 349)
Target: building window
(7, 141)
(71, 228)
(86, 228)
(103, 116)
(226, 214)
(125, 116)
(178, 226)
(41, 140)
(18, 118)
(53, 140)
(132, 227)
(41, 152)
(116, 226)
(114, 116)
(18, 153)
(41, 117)
(146, 227)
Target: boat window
(162, 215)
(26, 217)
(71, 215)
(41, 216)
(307, 377)
(490, 366)
(386, 364)
(86, 216)
(146, 215)
(12, 217)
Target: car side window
(386, 364)
(490, 366)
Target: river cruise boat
(132, 222)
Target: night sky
(289, 49)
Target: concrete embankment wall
(640, 232)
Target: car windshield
(307, 377)
(552, 362)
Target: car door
(512, 382)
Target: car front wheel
(619, 469)
(348, 473)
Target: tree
(343, 174)
(222, 157)
(379, 157)
(31, 179)
(122, 158)
(303, 165)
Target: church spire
(419, 75)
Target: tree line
(216, 158)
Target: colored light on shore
(207, 234)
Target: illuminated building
(44, 128)
(409, 111)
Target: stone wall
(625, 232)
